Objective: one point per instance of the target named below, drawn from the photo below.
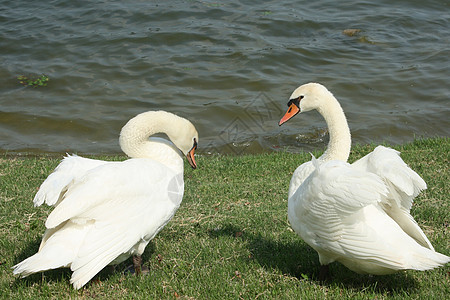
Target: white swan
(107, 211)
(356, 214)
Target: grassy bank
(230, 238)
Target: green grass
(230, 239)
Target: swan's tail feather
(428, 260)
(38, 263)
(58, 250)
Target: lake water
(228, 66)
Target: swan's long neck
(134, 137)
(340, 138)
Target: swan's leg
(324, 273)
(138, 267)
(137, 262)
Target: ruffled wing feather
(403, 185)
(71, 168)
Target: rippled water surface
(227, 66)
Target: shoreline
(200, 153)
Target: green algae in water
(40, 81)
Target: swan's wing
(333, 192)
(346, 189)
(403, 184)
(71, 167)
(125, 184)
(119, 235)
(299, 176)
(331, 206)
(387, 163)
(129, 202)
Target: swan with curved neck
(108, 211)
(318, 97)
(134, 137)
(358, 214)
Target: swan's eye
(301, 97)
(295, 101)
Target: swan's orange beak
(190, 156)
(292, 111)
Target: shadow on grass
(292, 258)
(298, 260)
(64, 274)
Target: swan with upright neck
(108, 211)
(357, 214)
